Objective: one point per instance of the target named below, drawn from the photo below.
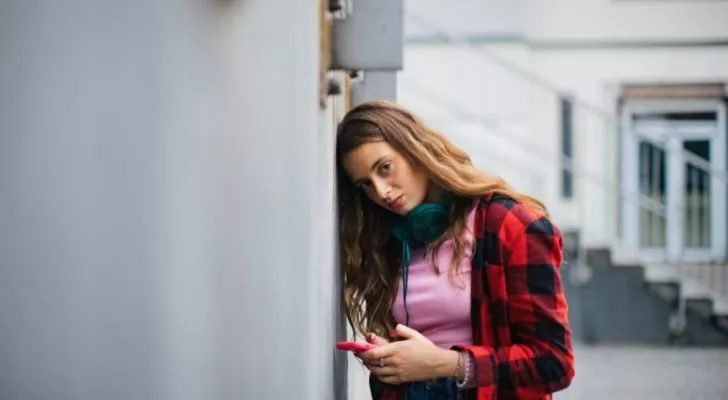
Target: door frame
(671, 139)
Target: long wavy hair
(369, 253)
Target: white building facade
(622, 86)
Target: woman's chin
(404, 210)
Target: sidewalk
(627, 373)
(642, 373)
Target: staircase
(625, 303)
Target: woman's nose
(383, 190)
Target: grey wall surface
(166, 230)
(617, 307)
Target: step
(692, 284)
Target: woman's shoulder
(508, 216)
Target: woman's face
(386, 176)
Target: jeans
(440, 389)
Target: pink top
(439, 307)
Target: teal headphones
(421, 226)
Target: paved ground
(627, 373)
(632, 373)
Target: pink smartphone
(355, 346)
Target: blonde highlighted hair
(369, 254)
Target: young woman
(449, 270)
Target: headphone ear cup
(423, 224)
(428, 222)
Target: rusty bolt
(335, 6)
(334, 88)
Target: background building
(613, 112)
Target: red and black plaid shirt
(522, 341)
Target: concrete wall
(166, 198)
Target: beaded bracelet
(467, 375)
(458, 365)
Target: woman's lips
(397, 203)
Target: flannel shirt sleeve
(539, 360)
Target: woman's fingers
(383, 351)
(381, 372)
(378, 340)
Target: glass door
(673, 184)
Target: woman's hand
(378, 340)
(415, 358)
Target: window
(567, 147)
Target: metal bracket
(371, 37)
(371, 85)
(340, 9)
(325, 39)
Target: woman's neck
(434, 193)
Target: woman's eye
(385, 168)
(365, 185)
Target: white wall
(595, 76)
(625, 19)
(556, 20)
(475, 83)
(472, 17)
(358, 380)
(166, 198)
(481, 107)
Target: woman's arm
(540, 360)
